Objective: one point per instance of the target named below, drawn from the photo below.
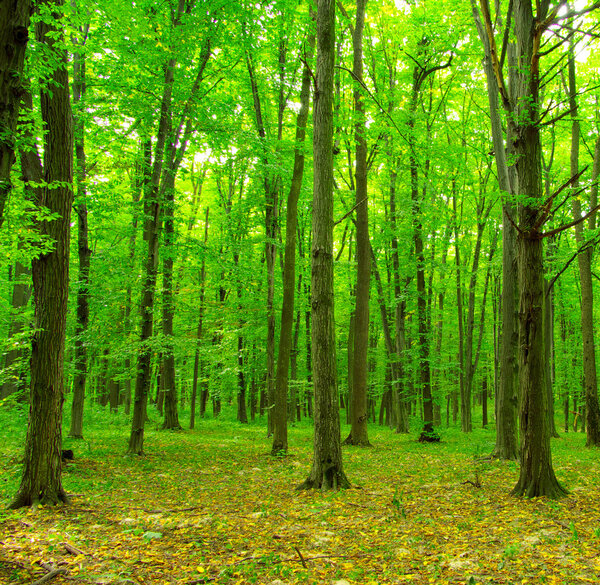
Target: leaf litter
(203, 507)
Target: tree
(584, 261)
(522, 103)
(14, 36)
(289, 268)
(41, 479)
(506, 397)
(83, 249)
(358, 433)
(327, 468)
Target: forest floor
(212, 506)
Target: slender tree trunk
(41, 479)
(14, 366)
(506, 398)
(171, 414)
(151, 237)
(327, 468)
(199, 331)
(84, 252)
(465, 402)
(358, 433)
(584, 261)
(280, 441)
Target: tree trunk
(171, 414)
(537, 476)
(84, 252)
(199, 332)
(151, 237)
(358, 432)
(14, 361)
(14, 35)
(41, 479)
(327, 468)
(280, 441)
(584, 261)
(506, 398)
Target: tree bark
(327, 469)
(199, 331)
(537, 476)
(83, 249)
(584, 261)
(41, 479)
(506, 398)
(280, 441)
(151, 237)
(14, 36)
(358, 433)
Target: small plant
(511, 551)
(397, 503)
(574, 533)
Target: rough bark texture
(424, 368)
(358, 433)
(327, 469)
(14, 35)
(41, 480)
(537, 476)
(280, 415)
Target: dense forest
(372, 213)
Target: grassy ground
(212, 506)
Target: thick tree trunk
(41, 479)
(14, 35)
(327, 469)
(537, 476)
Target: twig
(301, 557)
(349, 213)
(49, 576)
(72, 550)
(168, 511)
